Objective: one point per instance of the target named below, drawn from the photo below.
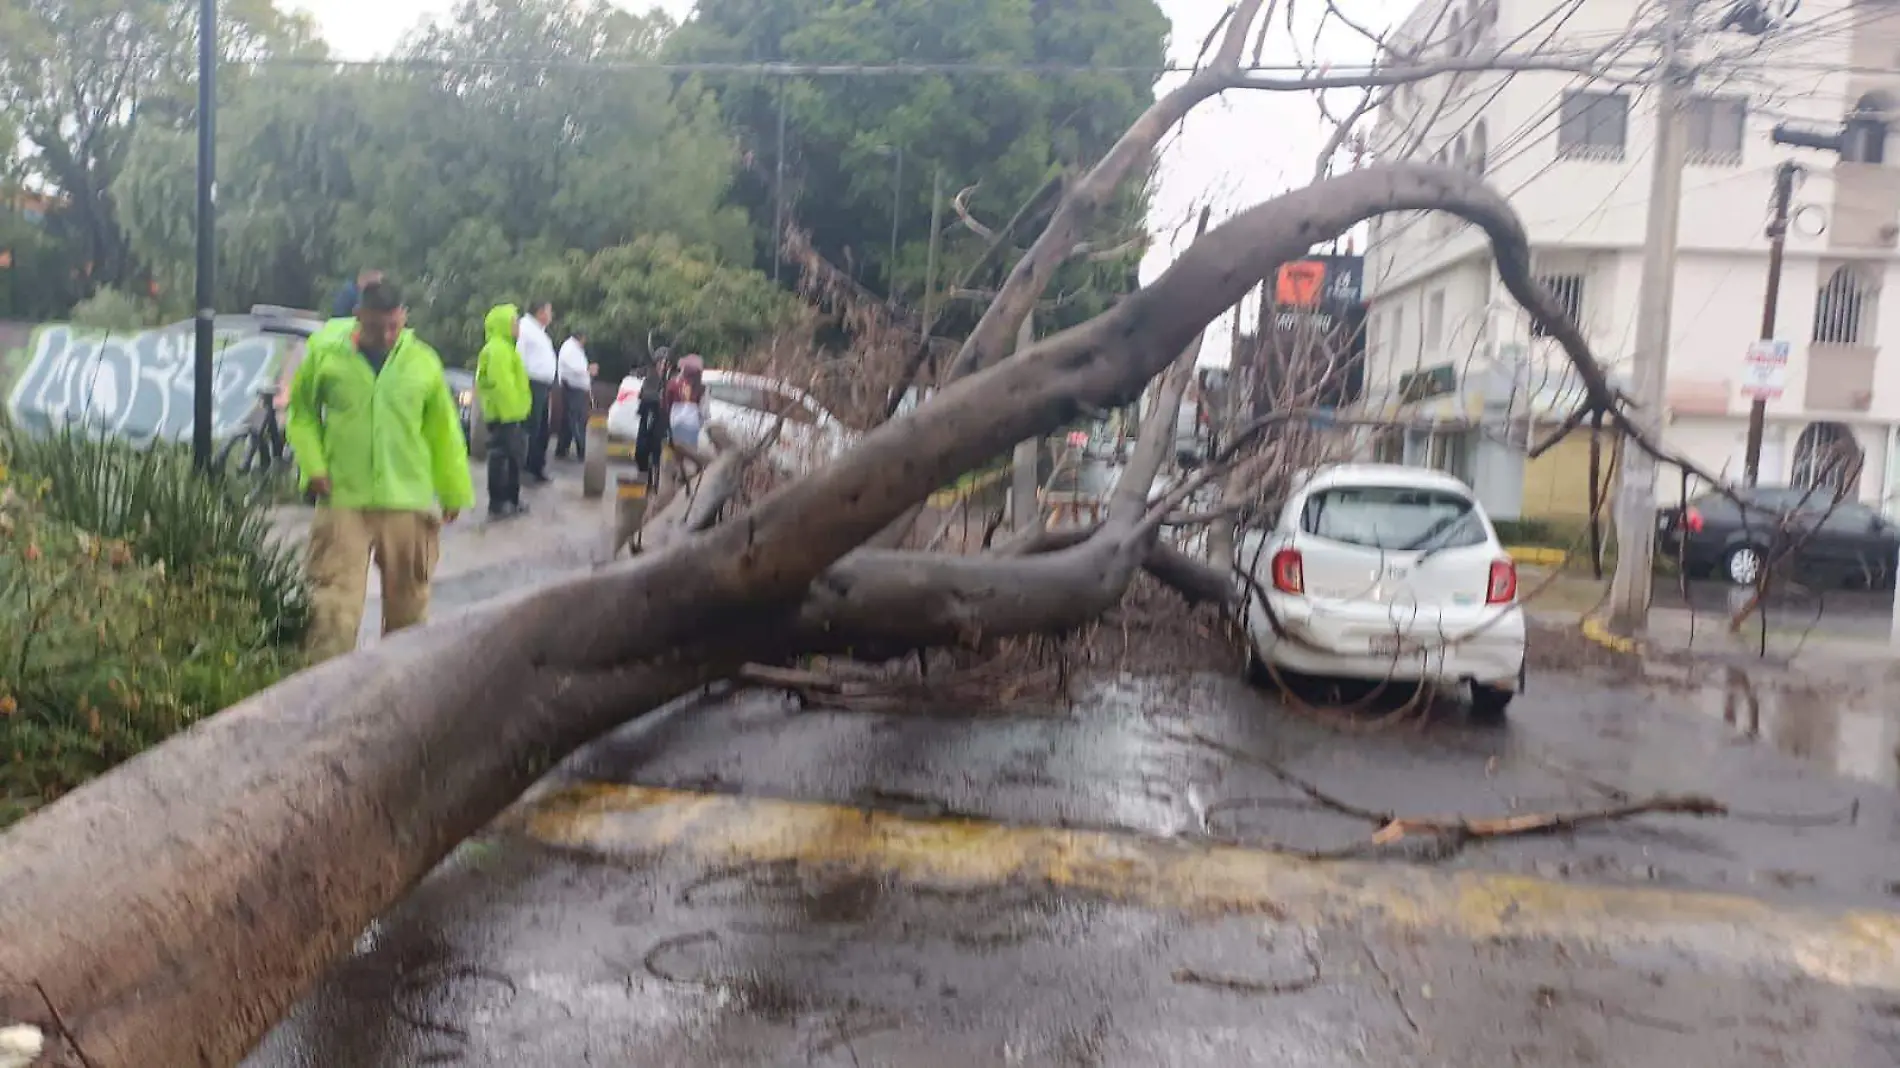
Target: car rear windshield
(1393, 518)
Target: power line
(822, 70)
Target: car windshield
(768, 401)
(1393, 518)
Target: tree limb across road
(173, 910)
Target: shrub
(107, 654)
(135, 599)
(152, 500)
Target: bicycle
(261, 452)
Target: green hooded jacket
(389, 441)
(501, 379)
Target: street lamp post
(207, 246)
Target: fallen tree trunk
(173, 909)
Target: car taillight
(1692, 521)
(1289, 571)
(1503, 587)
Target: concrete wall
(137, 386)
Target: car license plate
(1392, 645)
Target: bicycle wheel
(222, 463)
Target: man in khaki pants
(379, 442)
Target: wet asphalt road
(1124, 880)
(1051, 886)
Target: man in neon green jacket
(501, 379)
(379, 443)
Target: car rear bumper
(1485, 646)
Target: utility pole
(1771, 300)
(897, 208)
(201, 365)
(936, 241)
(1636, 484)
(778, 186)
(1026, 464)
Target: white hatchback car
(1376, 571)
(749, 405)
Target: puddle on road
(1850, 730)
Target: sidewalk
(1566, 600)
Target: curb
(1594, 630)
(1536, 555)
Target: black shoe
(539, 478)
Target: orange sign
(1299, 284)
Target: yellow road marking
(1857, 948)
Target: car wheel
(1489, 703)
(1742, 566)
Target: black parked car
(1804, 532)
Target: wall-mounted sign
(1330, 281)
(1765, 370)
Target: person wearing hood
(538, 356)
(501, 381)
(379, 444)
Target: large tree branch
(173, 908)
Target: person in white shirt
(537, 355)
(577, 396)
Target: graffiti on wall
(137, 386)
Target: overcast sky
(1230, 153)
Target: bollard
(630, 512)
(594, 470)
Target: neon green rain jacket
(389, 441)
(500, 377)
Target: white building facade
(1447, 345)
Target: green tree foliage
(464, 179)
(115, 309)
(684, 295)
(1006, 131)
(77, 75)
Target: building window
(1828, 460)
(1478, 147)
(1592, 125)
(1434, 325)
(1844, 308)
(1398, 331)
(1715, 127)
(1568, 289)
